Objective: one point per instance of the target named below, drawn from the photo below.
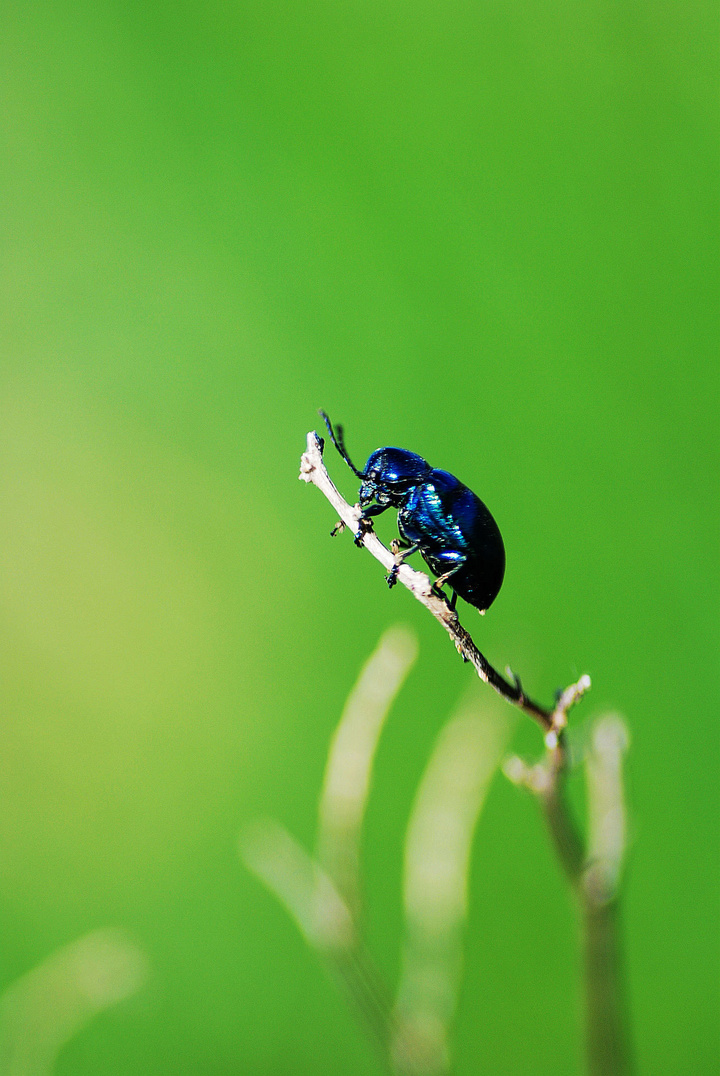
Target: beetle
(438, 517)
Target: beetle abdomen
(453, 527)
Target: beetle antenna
(337, 438)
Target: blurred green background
(485, 232)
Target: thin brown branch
(564, 831)
(552, 721)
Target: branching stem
(591, 865)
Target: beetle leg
(442, 580)
(365, 526)
(400, 555)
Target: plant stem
(606, 1038)
(593, 869)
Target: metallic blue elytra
(438, 517)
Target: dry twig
(552, 721)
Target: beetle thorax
(390, 473)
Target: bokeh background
(485, 232)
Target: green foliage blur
(487, 233)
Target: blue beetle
(438, 517)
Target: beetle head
(390, 473)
